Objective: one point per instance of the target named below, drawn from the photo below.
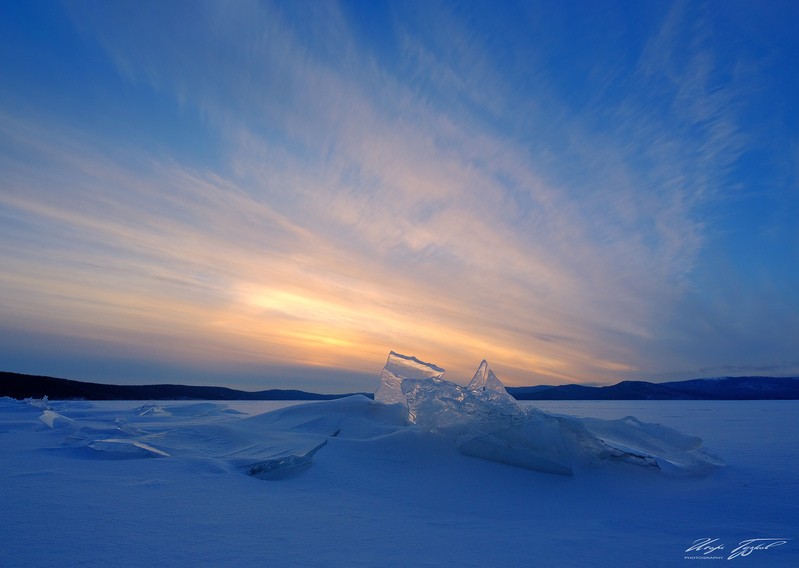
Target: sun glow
(296, 305)
(341, 329)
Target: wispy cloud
(365, 204)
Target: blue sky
(277, 194)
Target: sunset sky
(264, 195)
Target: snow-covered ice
(354, 482)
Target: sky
(277, 194)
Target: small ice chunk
(54, 419)
(667, 449)
(283, 466)
(150, 409)
(399, 367)
(126, 449)
(42, 403)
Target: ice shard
(399, 367)
(485, 381)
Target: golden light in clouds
(169, 288)
(342, 334)
(297, 305)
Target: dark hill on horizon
(724, 388)
(20, 386)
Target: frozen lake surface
(83, 493)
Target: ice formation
(399, 367)
(481, 420)
(485, 421)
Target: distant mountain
(21, 386)
(724, 388)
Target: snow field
(378, 493)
